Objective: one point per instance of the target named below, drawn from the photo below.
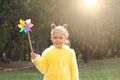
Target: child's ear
(53, 26)
(65, 26)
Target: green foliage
(79, 57)
(98, 30)
(11, 12)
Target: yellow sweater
(57, 64)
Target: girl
(58, 62)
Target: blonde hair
(60, 28)
(68, 43)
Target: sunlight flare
(90, 3)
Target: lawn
(106, 69)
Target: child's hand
(33, 55)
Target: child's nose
(58, 40)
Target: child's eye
(55, 37)
(61, 37)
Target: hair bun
(65, 26)
(53, 25)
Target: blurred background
(94, 27)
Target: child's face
(58, 39)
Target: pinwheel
(25, 26)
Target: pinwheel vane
(25, 26)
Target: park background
(94, 29)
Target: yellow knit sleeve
(40, 63)
(74, 67)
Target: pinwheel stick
(30, 42)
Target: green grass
(107, 69)
(28, 74)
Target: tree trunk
(85, 55)
(37, 47)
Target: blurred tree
(11, 12)
(97, 28)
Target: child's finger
(33, 55)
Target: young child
(58, 62)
